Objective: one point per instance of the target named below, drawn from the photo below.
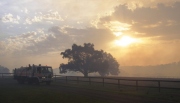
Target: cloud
(134, 4)
(25, 10)
(75, 10)
(17, 44)
(56, 39)
(33, 43)
(10, 18)
(49, 17)
(161, 21)
(100, 37)
(52, 16)
(28, 21)
(37, 19)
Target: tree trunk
(85, 73)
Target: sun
(125, 41)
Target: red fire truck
(34, 74)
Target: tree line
(4, 69)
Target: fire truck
(34, 74)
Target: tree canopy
(86, 59)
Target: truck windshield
(46, 69)
(49, 69)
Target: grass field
(11, 92)
(60, 92)
(166, 95)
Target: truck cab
(43, 74)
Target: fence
(6, 75)
(124, 81)
(163, 83)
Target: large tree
(86, 59)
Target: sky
(135, 32)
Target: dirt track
(111, 97)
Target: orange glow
(125, 41)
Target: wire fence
(158, 83)
(6, 75)
(124, 81)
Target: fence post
(159, 86)
(89, 80)
(103, 81)
(55, 77)
(77, 80)
(66, 79)
(136, 84)
(118, 83)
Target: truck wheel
(48, 83)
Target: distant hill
(170, 70)
(4, 69)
